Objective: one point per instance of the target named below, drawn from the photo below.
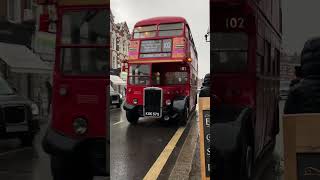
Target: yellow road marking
(156, 168)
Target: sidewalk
(187, 166)
(195, 173)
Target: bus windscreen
(139, 74)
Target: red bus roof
(159, 20)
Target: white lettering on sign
(208, 138)
(208, 152)
(234, 23)
(153, 114)
(208, 121)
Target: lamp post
(206, 36)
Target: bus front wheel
(132, 117)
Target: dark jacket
(304, 97)
(205, 89)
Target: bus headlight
(80, 126)
(135, 101)
(168, 102)
(34, 109)
(63, 91)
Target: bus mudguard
(127, 106)
(56, 144)
(228, 130)
(179, 103)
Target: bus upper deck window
(174, 29)
(84, 27)
(145, 32)
(230, 52)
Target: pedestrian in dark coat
(298, 76)
(304, 97)
(49, 95)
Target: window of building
(268, 57)
(14, 10)
(28, 4)
(117, 44)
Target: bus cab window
(139, 74)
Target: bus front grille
(152, 102)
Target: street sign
(204, 124)
(301, 146)
(308, 166)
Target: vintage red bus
(77, 138)
(162, 70)
(246, 43)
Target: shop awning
(20, 59)
(116, 80)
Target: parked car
(115, 98)
(284, 89)
(18, 115)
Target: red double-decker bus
(246, 43)
(162, 70)
(77, 138)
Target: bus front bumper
(97, 150)
(168, 111)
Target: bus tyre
(132, 117)
(246, 160)
(65, 168)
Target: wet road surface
(26, 163)
(135, 148)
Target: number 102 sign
(235, 23)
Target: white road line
(157, 167)
(14, 151)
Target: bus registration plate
(153, 114)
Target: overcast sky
(300, 22)
(196, 13)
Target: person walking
(304, 96)
(298, 76)
(49, 95)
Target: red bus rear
(246, 41)
(162, 70)
(77, 134)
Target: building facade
(19, 64)
(120, 36)
(287, 66)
